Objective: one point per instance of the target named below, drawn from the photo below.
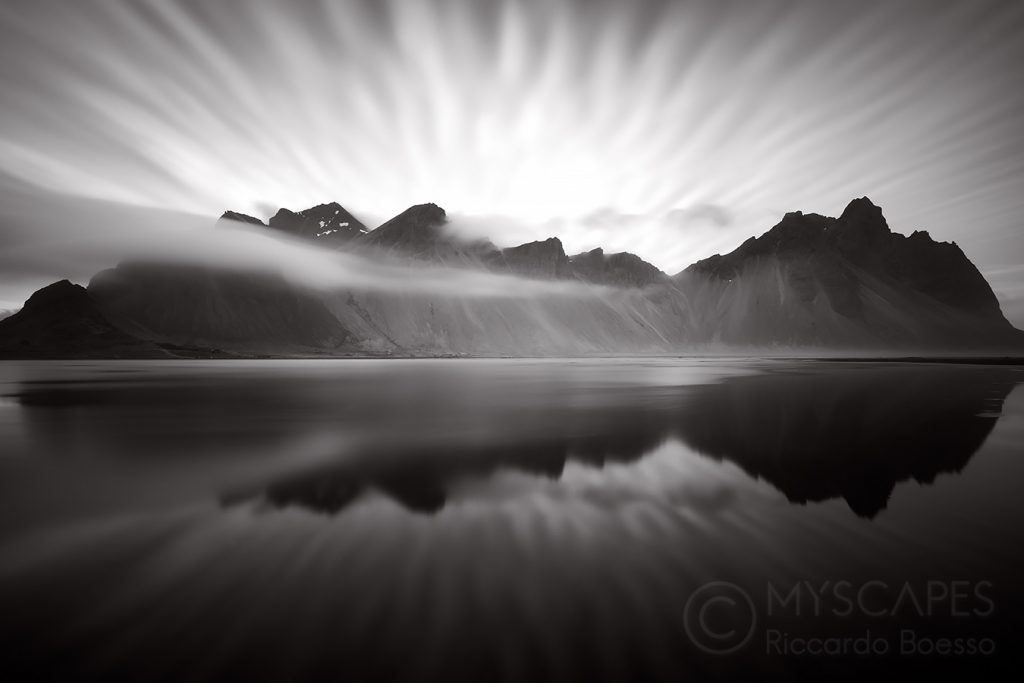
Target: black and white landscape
(382, 340)
(810, 284)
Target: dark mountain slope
(847, 281)
(939, 270)
(225, 309)
(62, 321)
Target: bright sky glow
(671, 129)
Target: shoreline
(944, 359)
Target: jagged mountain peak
(428, 214)
(551, 243)
(241, 218)
(418, 216)
(60, 292)
(544, 259)
(327, 206)
(330, 224)
(420, 232)
(795, 230)
(861, 227)
(282, 214)
(863, 210)
(621, 269)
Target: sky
(674, 130)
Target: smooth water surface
(502, 519)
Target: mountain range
(810, 283)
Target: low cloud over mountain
(809, 283)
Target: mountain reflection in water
(853, 433)
(487, 520)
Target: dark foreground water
(362, 520)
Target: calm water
(654, 520)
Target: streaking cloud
(77, 237)
(543, 114)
